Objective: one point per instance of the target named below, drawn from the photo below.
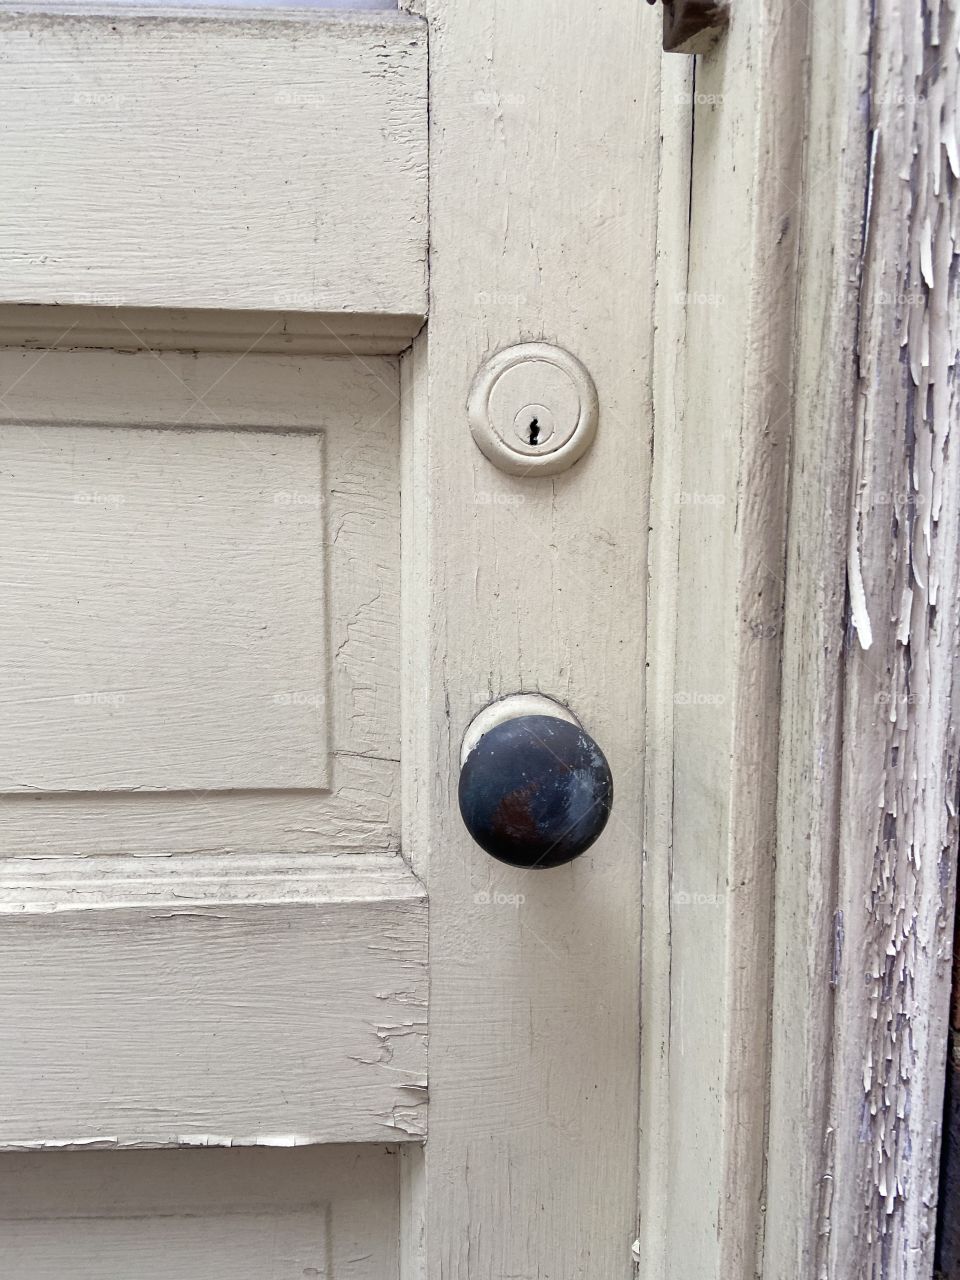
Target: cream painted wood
(176, 329)
(725, 305)
(325, 1212)
(251, 533)
(273, 162)
(543, 205)
(248, 962)
(843, 896)
(211, 1002)
(220, 580)
(655, 1247)
(763, 414)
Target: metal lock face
(533, 409)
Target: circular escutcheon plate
(533, 409)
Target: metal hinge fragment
(693, 26)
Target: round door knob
(535, 789)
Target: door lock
(533, 409)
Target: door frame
(762, 1149)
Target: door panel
(201, 620)
(215, 540)
(201, 603)
(325, 1213)
(211, 1001)
(198, 161)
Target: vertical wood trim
(808, 930)
(712, 754)
(868, 797)
(543, 188)
(663, 587)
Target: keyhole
(534, 437)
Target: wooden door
(257, 581)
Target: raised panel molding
(325, 1212)
(201, 593)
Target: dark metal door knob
(535, 789)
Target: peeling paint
(900, 751)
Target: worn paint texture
(899, 755)
(867, 774)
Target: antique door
(258, 579)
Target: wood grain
(269, 162)
(211, 1002)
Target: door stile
(544, 141)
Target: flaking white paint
(868, 774)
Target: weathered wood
(868, 786)
(725, 315)
(274, 161)
(947, 1257)
(211, 1002)
(543, 204)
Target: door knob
(535, 789)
